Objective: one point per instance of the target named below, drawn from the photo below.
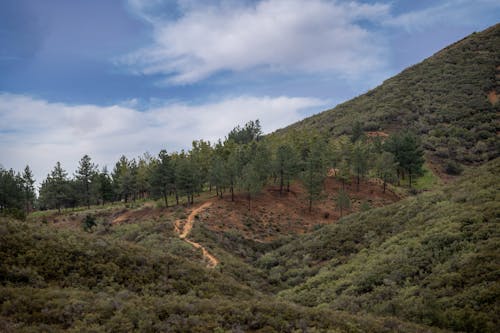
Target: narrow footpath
(186, 229)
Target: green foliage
(12, 193)
(314, 170)
(442, 99)
(453, 168)
(433, 258)
(343, 201)
(252, 131)
(88, 223)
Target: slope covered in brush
(433, 258)
(450, 99)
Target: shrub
(453, 168)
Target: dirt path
(186, 229)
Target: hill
(139, 277)
(449, 99)
(433, 258)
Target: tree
(143, 175)
(314, 173)
(187, 181)
(386, 167)
(359, 161)
(123, 179)
(251, 181)
(255, 160)
(11, 194)
(163, 176)
(104, 186)
(344, 172)
(408, 152)
(343, 201)
(252, 131)
(201, 154)
(54, 192)
(357, 132)
(85, 175)
(28, 188)
(217, 174)
(286, 165)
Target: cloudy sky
(113, 77)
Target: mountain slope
(433, 258)
(450, 99)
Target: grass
(427, 181)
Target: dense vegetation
(444, 99)
(244, 162)
(434, 258)
(428, 262)
(133, 278)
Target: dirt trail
(186, 229)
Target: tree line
(243, 162)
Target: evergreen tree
(11, 194)
(408, 153)
(359, 161)
(386, 168)
(123, 179)
(314, 171)
(143, 175)
(357, 132)
(255, 160)
(28, 189)
(344, 172)
(286, 165)
(104, 187)
(343, 201)
(54, 192)
(217, 174)
(252, 131)
(85, 175)
(163, 176)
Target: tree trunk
(310, 204)
(281, 182)
(232, 193)
(166, 200)
(357, 183)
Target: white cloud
(310, 36)
(39, 133)
(451, 12)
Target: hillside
(449, 99)
(432, 259)
(139, 277)
(230, 238)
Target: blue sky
(112, 77)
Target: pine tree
(343, 201)
(286, 165)
(104, 187)
(408, 153)
(359, 158)
(28, 188)
(163, 176)
(314, 171)
(386, 168)
(55, 189)
(85, 175)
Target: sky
(124, 77)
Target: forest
(244, 161)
